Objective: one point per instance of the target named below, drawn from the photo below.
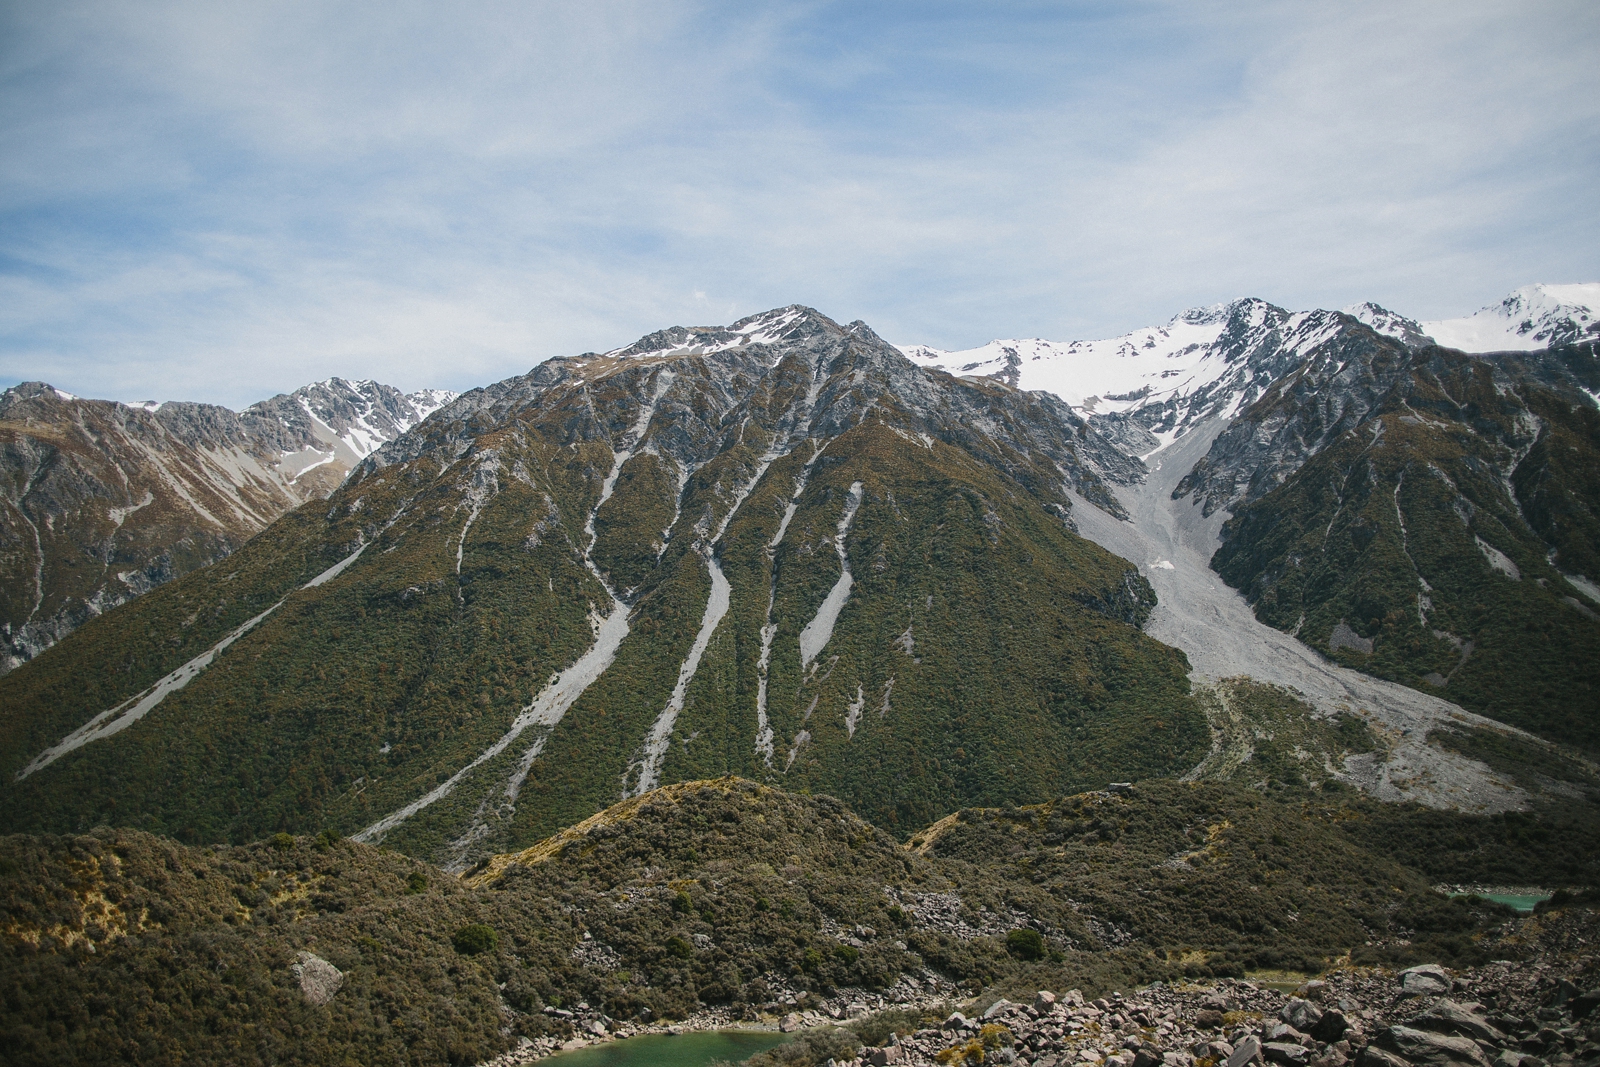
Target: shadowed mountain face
(777, 549)
(1428, 517)
(101, 501)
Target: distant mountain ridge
(103, 501)
(1205, 359)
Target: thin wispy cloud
(222, 202)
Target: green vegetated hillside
(985, 652)
(1430, 542)
(123, 947)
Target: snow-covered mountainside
(101, 501)
(1195, 363)
(1152, 385)
(344, 422)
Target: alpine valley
(750, 664)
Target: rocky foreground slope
(1536, 1012)
(710, 903)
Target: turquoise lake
(1514, 900)
(664, 1050)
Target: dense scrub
(122, 947)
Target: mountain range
(104, 500)
(789, 550)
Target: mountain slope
(1431, 537)
(103, 501)
(1269, 421)
(777, 549)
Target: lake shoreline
(833, 1012)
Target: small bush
(1025, 944)
(416, 882)
(682, 904)
(475, 938)
(969, 1053)
(810, 1049)
(994, 1036)
(847, 953)
(281, 841)
(679, 947)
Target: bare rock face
(1424, 1047)
(1427, 980)
(319, 979)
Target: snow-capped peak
(1115, 373)
(1532, 317)
(1407, 331)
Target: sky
(221, 202)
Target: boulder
(1286, 1053)
(1044, 1001)
(1248, 1051)
(1142, 1058)
(883, 1057)
(1331, 1027)
(1372, 1056)
(1448, 1017)
(1429, 1049)
(1286, 1033)
(1208, 1019)
(1585, 1003)
(1000, 1007)
(956, 1021)
(319, 979)
(1314, 989)
(1301, 1014)
(790, 1023)
(1426, 980)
